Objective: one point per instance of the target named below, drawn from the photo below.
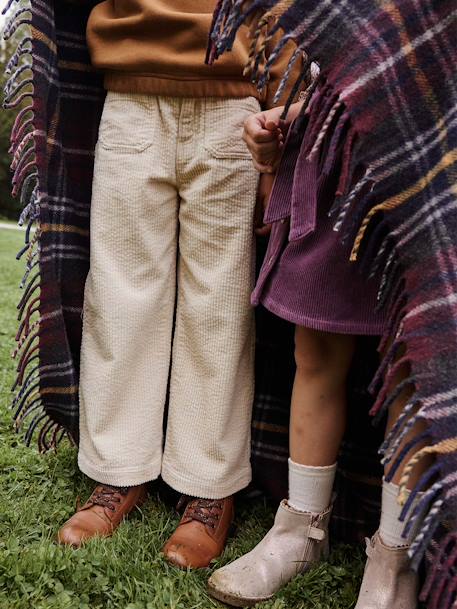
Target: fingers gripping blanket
(386, 97)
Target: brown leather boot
(102, 514)
(202, 532)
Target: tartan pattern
(53, 141)
(387, 91)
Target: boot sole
(236, 601)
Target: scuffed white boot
(296, 541)
(388, 581)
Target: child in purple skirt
(307, 279)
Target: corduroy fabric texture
(306, 277)
(388, 83)
(171, 222)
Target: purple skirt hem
(335, 327)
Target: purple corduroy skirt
(306, 277)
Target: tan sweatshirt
(158, 47)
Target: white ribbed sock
(310, 488)
(391, 528)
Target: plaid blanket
(53, 143)
(387, 94)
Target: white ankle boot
(296, 541)
(388, 581)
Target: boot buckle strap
(315, 533)
(369, 547)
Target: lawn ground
(37, 493)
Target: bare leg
(318, 409)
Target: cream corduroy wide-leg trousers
(167, 300)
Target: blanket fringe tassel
(19, 95)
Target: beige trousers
(167, 300)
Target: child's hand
(263, 134)
(263, 196)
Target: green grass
(37, 493)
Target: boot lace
(206, 511)
(108, 496)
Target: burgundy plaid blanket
(387, 97)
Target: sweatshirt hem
(121, 82)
